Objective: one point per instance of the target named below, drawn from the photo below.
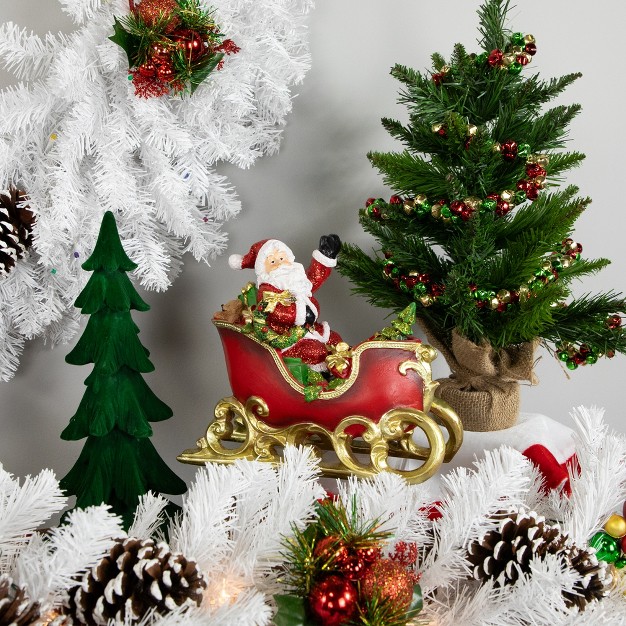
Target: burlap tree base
(483, 388)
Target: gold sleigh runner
(257, 426)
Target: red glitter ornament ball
(509, 150)
(151, 11)
(388, 580)
(395, 200)
(333, 601)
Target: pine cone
(16, 222)
(504, 554)
(597, 578)
(15, 608)
(134, 577)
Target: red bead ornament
(164, 71)
(396, 200)
(503, 208)
(523, 184)
(369, 201)
(333, 601)
(533, 170)
(530, 48)
(509, 150)
(495, 58)
(522, 59)
(532, 193)
(614, 322)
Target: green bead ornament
(420, 289)
(481, 58)
(571, 365)
(515, 68)
(523, 150)
(489, 204)
(607, 548)
(446, 212)
(563, 356)
(520, 196)
(620, 563)
(591, 359)
(517, 39)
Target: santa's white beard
(291, 276)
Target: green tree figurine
(118, 462)
(478, 234)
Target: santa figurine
(285, 295)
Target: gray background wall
(316, 185)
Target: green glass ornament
(571, 365)
(591, 359)
(481, 59)
(607, 547)
(445, 211)
(515, 68)
(523, 150)
(620, 563)
(489, 204)
(420, 289)
(517, 39)
(563, 356)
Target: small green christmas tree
(118, 462)
(478, 234)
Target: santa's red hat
(255, 257)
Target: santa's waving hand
(285, 292)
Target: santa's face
(276, 259)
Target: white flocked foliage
(235, 518)
(75, 137)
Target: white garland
(235, 517)
(76, 138)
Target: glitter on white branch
(75, 137)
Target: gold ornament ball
(496, 147)
(473, 201)
(542, 159)
(426, 300)
(420, 198)
(436, 211)
(504, 295)
(472, 130)
(524, 292)
(388, 580)
(409, 206)
(436, 127)
(494, 303)
(507, 195)
(151, 11)
(529, 38)
(616, 526)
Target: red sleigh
(356, 429)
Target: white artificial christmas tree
(76, 138)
